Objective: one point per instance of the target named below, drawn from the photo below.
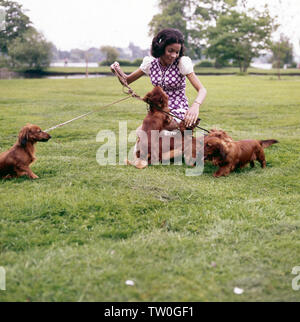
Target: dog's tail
(267, 143)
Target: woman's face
(171, 54)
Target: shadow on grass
(211, 169)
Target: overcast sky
(93, 23)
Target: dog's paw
(217, 175)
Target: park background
(88, 233)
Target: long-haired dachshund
(219, 134)
(230, 155)
(157, 119)
(16, 161)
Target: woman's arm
(193, 112)
(134, 76)
(117, 70)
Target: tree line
(223, 31)
(104, 54)
(20, 43)
(226, 31)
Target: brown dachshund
(15, 162)
(156, 120)
(220, 134)
(235, 154)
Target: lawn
(198, 70)
(82, 230)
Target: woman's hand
(191, 115)
(116, 69)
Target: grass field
(129, 69)
(81, 230)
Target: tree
(283, 52)
(111, 54)
(173, 15)
(239, 37)
(208, 11)
(30, 51)
(16, 24)
(176, 14)
(191, 17)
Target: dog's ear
(164, 101)
(23, 136)
(147, 98)
(153, 99)
(223, 151)
(156, 97)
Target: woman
(168, 68)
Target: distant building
(95, 55)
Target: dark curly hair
(164, 38)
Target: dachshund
(220, 134)
(158, 120)
(229, 156)
(15, 162)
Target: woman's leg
(137, 161)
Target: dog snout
(46, 137)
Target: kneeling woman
(168, 68)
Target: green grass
(81, 230)
(129, 69)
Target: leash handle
(122, 77)
(116, 69)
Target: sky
(94, 23)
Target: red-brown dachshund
(158, 120)
(16, 161)
(230, 155)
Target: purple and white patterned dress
(172, 80)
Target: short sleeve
(185, 65)
(146, 64)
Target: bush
(204, 63)
(124, 63)
(4, 62)
(137, 62)
(293, 65)
(221, 64)
(105, 63)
